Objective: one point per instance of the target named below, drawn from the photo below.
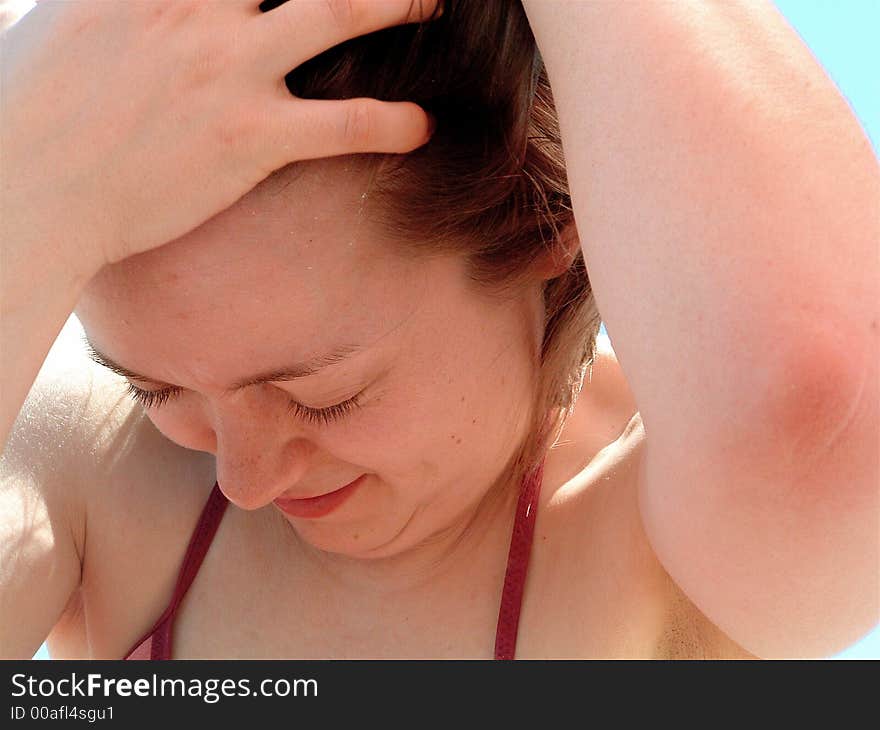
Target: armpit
(689, 634)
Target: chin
(351, 540)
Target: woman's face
(441, 374)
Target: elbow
(819, 404)
(820, 391)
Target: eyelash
(323, 416)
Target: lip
(324, 504)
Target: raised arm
(105, 154)
(728, 204)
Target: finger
(296, 31)
(309, 129)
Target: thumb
(326, 128)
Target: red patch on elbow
(817, 396)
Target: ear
(556, 260)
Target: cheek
(187, 427)
(465, 418)
(494, 416)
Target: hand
(137, 121)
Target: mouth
(323, 504)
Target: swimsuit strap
(518, 564)
(156, 643)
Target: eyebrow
(299, 370)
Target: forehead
(295, 260)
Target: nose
(259, 453)
(252, 478)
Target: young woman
(374, 418)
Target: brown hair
(491, 183)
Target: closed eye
(152, 398)
(156, 398)
(326, 415)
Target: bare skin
(351, 584)
(729, 245)
(251, 600)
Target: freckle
(452, 437)
(462, 399)
(458, 441)
(474, 421)
(356, 536)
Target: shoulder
(594, 518)
(43, 468)
(71, 423)
(54, 434)
(606, 387)
(606, 370)
(123, 492)
(602, 412)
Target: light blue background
(843, 35)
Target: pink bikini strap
(209, 521)
(518, 564)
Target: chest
(588, 592)
(596, 591)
